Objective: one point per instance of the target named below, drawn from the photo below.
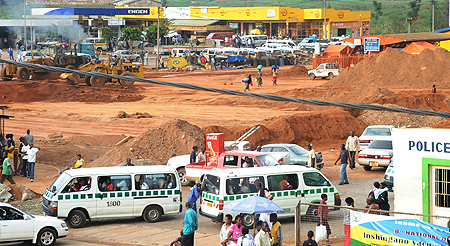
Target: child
(246, 239)
(274, 75)
(310, 241)
(323, 215)
(177, 242)
(346, 211)
(247, 81)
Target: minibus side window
(78, 184)
(211, 184)
(243, 185)
(114, 183)
(315, 179)
(155, 181)
(283, 182)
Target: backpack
(371, 194)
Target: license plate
(209, 204)
(374, 164)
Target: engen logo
(222, 12)
(317, 14)
(247, 12)
(138, 11)
(153, 12)
(284, 12)
(340, 15)
(213, 137)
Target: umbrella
(253, 205)
(256, 32)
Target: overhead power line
(237, 93)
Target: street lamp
(24, 25)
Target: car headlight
(53, 205)
(63, 225)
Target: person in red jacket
(323, 215)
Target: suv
(377, 132)
(19, 226)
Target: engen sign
(215, 144)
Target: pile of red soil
(297, 70)
(172, 138)
(319, 128)
(52, 91)
(394, 68)
(443, 124)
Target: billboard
(372, 230)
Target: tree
(164, 3)
(415, 7)
(52, 31)
(106, 34)
(377, 13)
(152, 30)
(132, 34)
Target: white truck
(324, 70)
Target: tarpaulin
(236, 58)
(370, 229)
(416, 48)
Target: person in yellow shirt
(276, 231)
(80, 162)
(10, 150)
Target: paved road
(137, 232)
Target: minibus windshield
(59, 182)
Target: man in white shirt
(24, 151)
(311, 156)
(352, 145)
(263, 237)
(32, 160)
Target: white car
(324, 70)
(378, 154)
(372, 133)
(389, 176)
(15, 225)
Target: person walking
(20, 155)
(146, 58)
(311, 156)
(141, 56)
(274, 75)
(323, 215)
(213, 63)
(343, 156)
(383, 199)
(32, 160)
(29, 137)
(259, 75)
(247, 80)
(433, 90)
(276, 232)
(9, 148)
(6, 172)
(193, 157)
(190, 226)
(352, 145)
(195, 194)
(350, 204)
(225, 229)
(11, 53)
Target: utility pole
(157, 46)
(24, 25)
(432, 15)
(325, 19)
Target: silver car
(26, 55)
(372, 133)
(378, 154)
(126, 54)
(298, 155)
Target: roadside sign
(357, 41)
(371, 44)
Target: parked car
(17, 225)
(27, 55)
(298, 155)
(389, 176)
(372, 133)
(378, 154)
(128, 55)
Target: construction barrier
(341, 61)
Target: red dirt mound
(297, 70)
(34, 91)
(172, 138)
(322, 127)
(409, 99)
(394, 68)
(444, 124)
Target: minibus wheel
(152, 214)
(248, 220)
(312, 214)
(76, 219)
